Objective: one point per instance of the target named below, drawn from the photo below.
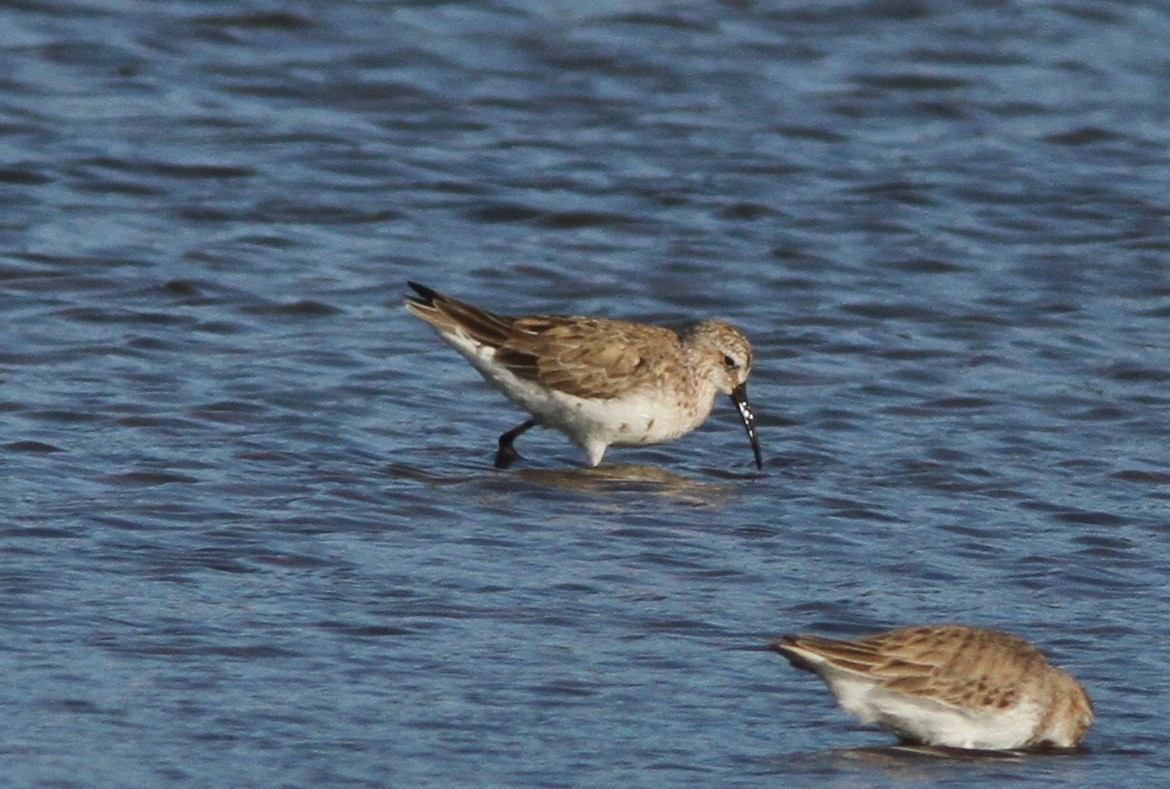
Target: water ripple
(249, 501)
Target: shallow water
(251, 535)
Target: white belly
(937, 723)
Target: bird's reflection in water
(601, 480)
(609, 479)
(909, 753)
(909, 763)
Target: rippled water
(251, 535)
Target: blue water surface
(250, 532)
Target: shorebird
(950, 686)
(598, 381)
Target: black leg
(507, 453)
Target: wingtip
(784, 646)
(783, 642)
(428, 295)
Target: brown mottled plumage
(599, 381)
(950, 685)
(587, 357)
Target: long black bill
(739, 397)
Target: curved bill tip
(739, 397)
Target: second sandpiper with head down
(600, 382)
(951, 686)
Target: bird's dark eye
(728, 361)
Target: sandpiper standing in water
(598, 381)
(950, 686)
